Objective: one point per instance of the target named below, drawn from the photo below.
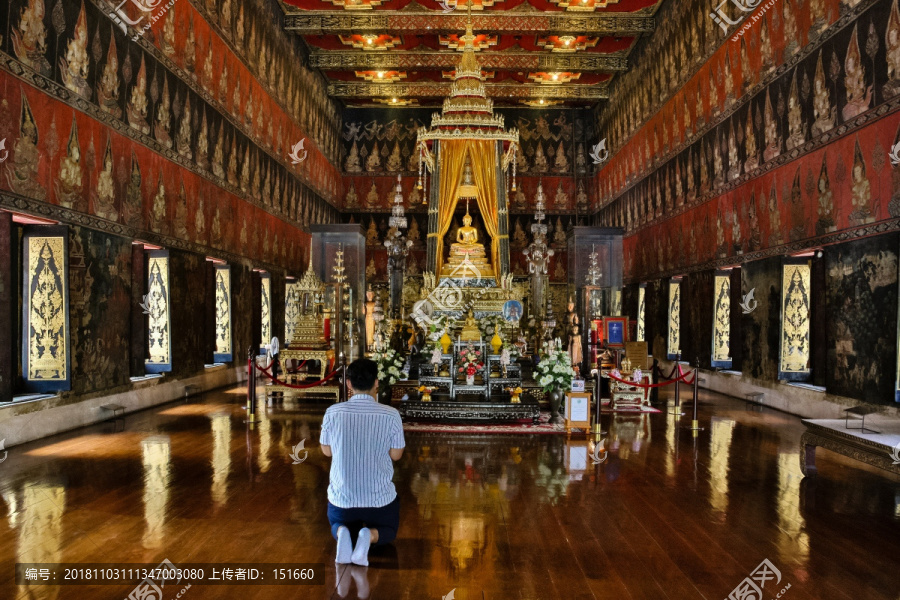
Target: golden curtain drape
(484, 169)
(452, 162)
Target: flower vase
(555, 401)
(470, 380)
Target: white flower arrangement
(389, 366)
(555, 371)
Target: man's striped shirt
(361, 432)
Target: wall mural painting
(86, 167)
(775, 171)
(99, 301)
(383, 140)
(795, 321)
(223, 314)
(138, 102)
(848, 185)
(46, 355)
(862, 345)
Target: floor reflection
(500, 516)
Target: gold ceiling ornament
(541, 102)
(583, 5)
(381, 76)
(396, 101)
(512, 91)
(356, 4)
(519, 61)
(431, 22)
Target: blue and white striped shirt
(361, 432)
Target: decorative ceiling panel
(537, 52)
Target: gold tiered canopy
(470, 140)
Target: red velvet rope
(682, 378)
(298, 386)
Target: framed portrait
(615, 331)
(512, 311)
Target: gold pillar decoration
(46, 362)
(795, 288)
(674, 346)
(721, 350)
(223, 314)
(156, 305)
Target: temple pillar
(431, 258)
(8, 306)
(503, 218)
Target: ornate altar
(310, 340)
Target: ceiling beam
(439, 90)
(341, 22)
(582, 62)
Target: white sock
(361, 552)
(344, 547)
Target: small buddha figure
(470, 329)
(520, 240)
(372, 234)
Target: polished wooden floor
(666, 516)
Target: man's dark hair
(362, 374)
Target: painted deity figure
(773, 139)
(750, 148)
(104, 199)
(372, 234)
(796, 126)
(133, 197)
(29, 39)
(859, 96)
(158, 208)
(69, 184)
(861, 191)
(892, 53)
(825, 114)
(75, 65)
(826, 222)
(22, 168)
(108, 86)
(161, 128)
(775, 237)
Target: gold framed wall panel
(223, 351)
(794, 356)
(673, 348)
(46, 347)
(721, 343)
(291, 309)
(158, 310)
(265, 297)
(641, 333)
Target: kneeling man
(362, 437)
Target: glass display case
(327, 241)
(595, 280)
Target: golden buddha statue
(470, 331)
(467, 258)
